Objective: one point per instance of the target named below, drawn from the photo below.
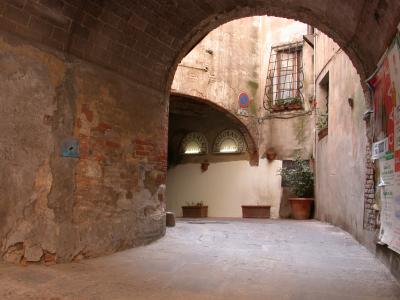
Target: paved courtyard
(217, 259)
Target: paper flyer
(386, 85)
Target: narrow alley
(217, 259)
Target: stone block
(170, 219)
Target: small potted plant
(195, 210)
(300, 180)
(294, 104)
(270, 154)
(259, 211)
(279, 105)
(322, 125)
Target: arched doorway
(142, 43)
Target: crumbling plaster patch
(57, 208)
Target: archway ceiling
(145, 40)
(197, 108)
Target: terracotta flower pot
(195, 211)
(256, 211)
(204, 166)
(301, 208)
(294, 106)
(271, 154)
(322, 133)
(278, 108)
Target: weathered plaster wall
(189, 116)
(230, 61)
(55, 208)
(342, 170)
(289, 136)
(230, 181)
(341, 155)
(288, 132)
(226, 62)
(225, 186)
(37, 108)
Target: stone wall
(344, 170)
(228, 62)
(229, 181)
(341, 155)
(140, 41)
(56, 208)
(224, 64)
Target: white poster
(390, 197)
(395, 243)
(394, 70)
(386, 184)
(379, 148)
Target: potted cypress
(195, 210)
(300, 180)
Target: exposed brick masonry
(145, 40)
(369, 193)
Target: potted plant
(294, 104)
(300, 180)
(279, 105)
(270, 154)
(204, 166)
(256, 211)
(195, 210)
(322, 125)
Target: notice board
(386, 87)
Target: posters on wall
(380, 148)
(386, 86)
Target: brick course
(155, 35)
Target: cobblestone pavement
(217, 259)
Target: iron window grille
(283, 89)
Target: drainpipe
(310, 29)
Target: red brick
(49, 258)
(16, 3)
(110, 18)
(70, 11)
(141, 153)
(112, 144)
(88, 113)
(59, 35)
(93, 9)
(81, 31)
(143, 142)
(7, 24)
(58, 45)
(40, 27)
(16, 15)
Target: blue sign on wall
(244, 100)
(70, 148)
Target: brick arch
(351, 24)
(141, 42)
(145, 40)
(249, 134)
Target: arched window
(194, 143)
(229, 141)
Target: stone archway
(145, 41)
(101, 72)
(249, 133)
(350, 25)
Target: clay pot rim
(261, 206)
(301, 199)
